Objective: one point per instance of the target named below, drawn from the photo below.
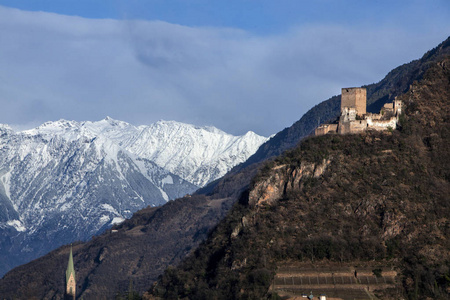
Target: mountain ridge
(174, 229)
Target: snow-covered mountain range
(67, 180)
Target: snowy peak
(117, 131)
(5, 127)
(197, 154)
(55, 127)
(61, 129)
(108, 125)
(174, 125)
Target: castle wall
(382, 124)
(358, 126)
(344, 127)
(373, 116)
(352, 126)
(325, 128)
(398, 105)
(361, 101)
(348, 114)
(388, 106)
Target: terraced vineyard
(336, 281)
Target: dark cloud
(54, 66)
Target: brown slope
(106, 264)
(348, 200)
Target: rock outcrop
(284, 179)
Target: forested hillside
(377, 196)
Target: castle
(354, 118)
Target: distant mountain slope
(57, 189)
(177, 227)
(138, 252)
(65, 181)
(374, 197)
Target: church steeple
(70, 277)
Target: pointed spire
(70, 268)
(70, 275)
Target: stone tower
(398, 106)
(354, 98)
(70, 278)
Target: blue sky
(257, 16)
(237, 65)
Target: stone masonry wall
(355, 98)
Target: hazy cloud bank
(54, 66)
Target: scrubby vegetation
(384, 197)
